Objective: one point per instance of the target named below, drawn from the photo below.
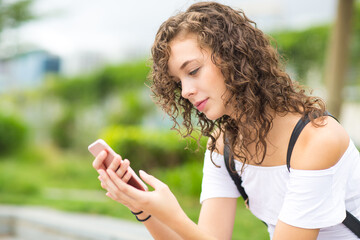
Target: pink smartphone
(96, 147)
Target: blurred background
(75, 71)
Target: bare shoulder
(320, 147)
(219, 142)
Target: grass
(52, 178)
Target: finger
(107, 182)
(102, 183)
(115, 163)
(123, 168)
(151, 180)
(128, 195)
(126, 177)
(131, 192)
(115, 191)
(98, 163)
(108, 194)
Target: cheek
(217, 78)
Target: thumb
(151, 180)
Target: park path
(30, 223)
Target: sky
(116, 30)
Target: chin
(213, 117)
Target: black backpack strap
(296, 133)
(294, 136)
(230, 166)
(350, 221)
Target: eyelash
(192, 73)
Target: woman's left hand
(161, 202)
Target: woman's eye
(194, 72)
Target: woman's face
(201, 80)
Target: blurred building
(27, 70)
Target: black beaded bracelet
(142, 220)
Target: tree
(13, 14)
(338, 56)
(314, 48)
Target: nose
(188, 89)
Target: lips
(201, 104)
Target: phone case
(96, 147)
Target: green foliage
(12, 134)
(125, 76)
(116, 93)
(24, 180)
(63, 131)
(303, 49)
(306, 49)
(18, 185)
(135, 105)
(94, 88)
(184, 179)
(15, 13)
(148, 148)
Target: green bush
(17, 185)
(93, 88)
(150, 148)
(12, 134)
(63, 131)
(11, 182)
(185, 179)
(303, 49)
(134, 107)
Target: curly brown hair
(254, 77)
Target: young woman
(212, 63)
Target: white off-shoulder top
(302, 198)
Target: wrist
(143, 219)
(136, 213)
(141, 216)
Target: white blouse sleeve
(216, 181)
(315, 198)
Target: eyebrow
(186, 63)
